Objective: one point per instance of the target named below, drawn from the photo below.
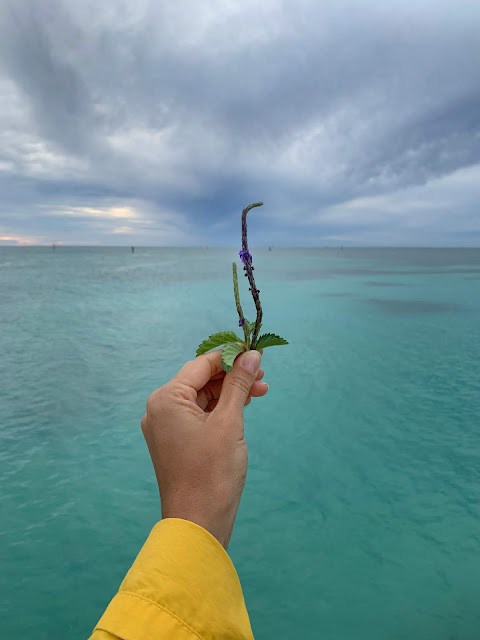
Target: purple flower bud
(245, 257)
(241, 322)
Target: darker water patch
(376, 283)
(415, 256)
(413, 307)
(336, 295)
(324, 273)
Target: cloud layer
(155, 123)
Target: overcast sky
(357, 122)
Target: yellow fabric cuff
(182, 585)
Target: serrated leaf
(216, 340)
(229, 352)
(269, 340)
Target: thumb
(238, 382)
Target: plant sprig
(231, 344)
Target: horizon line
(140, 246)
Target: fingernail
(251, 362)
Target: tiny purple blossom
(244, 256)
(241, 322)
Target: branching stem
(247, 261)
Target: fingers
(221, 374)
(205, 375)
(211, 406)
(238, 384)
(214, 387)
(256, 392)
(258, 389)
(198, 372)
(212, 390)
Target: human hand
(194, 431)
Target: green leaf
(250, 326)
(216, 340)
(269, 340)
(229, 352)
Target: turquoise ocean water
(361, 514)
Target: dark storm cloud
(58, 98)
(183, 113)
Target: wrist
(218, 522)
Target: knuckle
(150, 403)
(213, 369)
(240, 383)
(155, 399)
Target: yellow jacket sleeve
(182, 585)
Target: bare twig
(241, 317)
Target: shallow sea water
(361, 514)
